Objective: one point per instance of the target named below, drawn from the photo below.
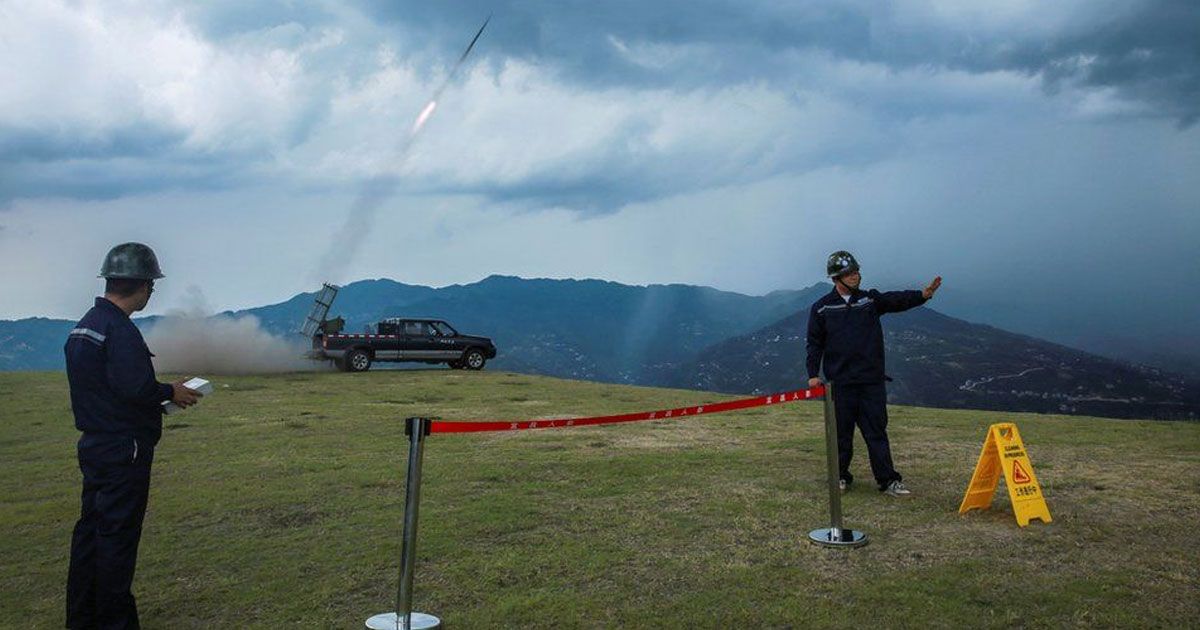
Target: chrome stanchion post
(835, 535)
(404, 618)
(831, 466)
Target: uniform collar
(834, 295)
(103, 302)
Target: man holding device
(118, 405)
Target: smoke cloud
(193, 341)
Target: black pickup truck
(403, 339)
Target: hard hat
(841, 263)
(132, 261)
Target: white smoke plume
(193, 341)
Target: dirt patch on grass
(389, 485)
(668, 435)
(278, 518)
(243, 387)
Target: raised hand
(928, 292)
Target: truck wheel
(358, 361)
(474, 359)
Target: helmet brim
(115, 276)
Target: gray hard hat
(841, 263)
(132, 261)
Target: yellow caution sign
(1004, 451)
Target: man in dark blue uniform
(117, 404)
(845, 336)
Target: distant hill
(585, 329)
(939, 361)
(702, 338)
(33, 344)
(360, 303)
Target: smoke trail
(192, 341)
(344, 245)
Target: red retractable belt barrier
(732, 405)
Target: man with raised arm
(846, 339)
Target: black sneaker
(844, 486)
(897, 489)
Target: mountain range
(701, 338)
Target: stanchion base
(849, 538)
(388, 621)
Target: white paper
(196, 384)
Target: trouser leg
(118, 536)
(81, 574)
(845, 403)
(122, 485)
(872, 422)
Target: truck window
(443, 329)
(414, 329)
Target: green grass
(279, 500)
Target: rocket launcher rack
(319, 310)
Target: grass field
(279, 501)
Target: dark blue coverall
(117, 405)
(848, 339)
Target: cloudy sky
(1043, 157)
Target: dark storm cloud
(1150, 53)
(134, 140)
(1152, 56)
(108, 177)
(582, 40)
(611, 179)
(223, 19)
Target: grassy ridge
(279, 499)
